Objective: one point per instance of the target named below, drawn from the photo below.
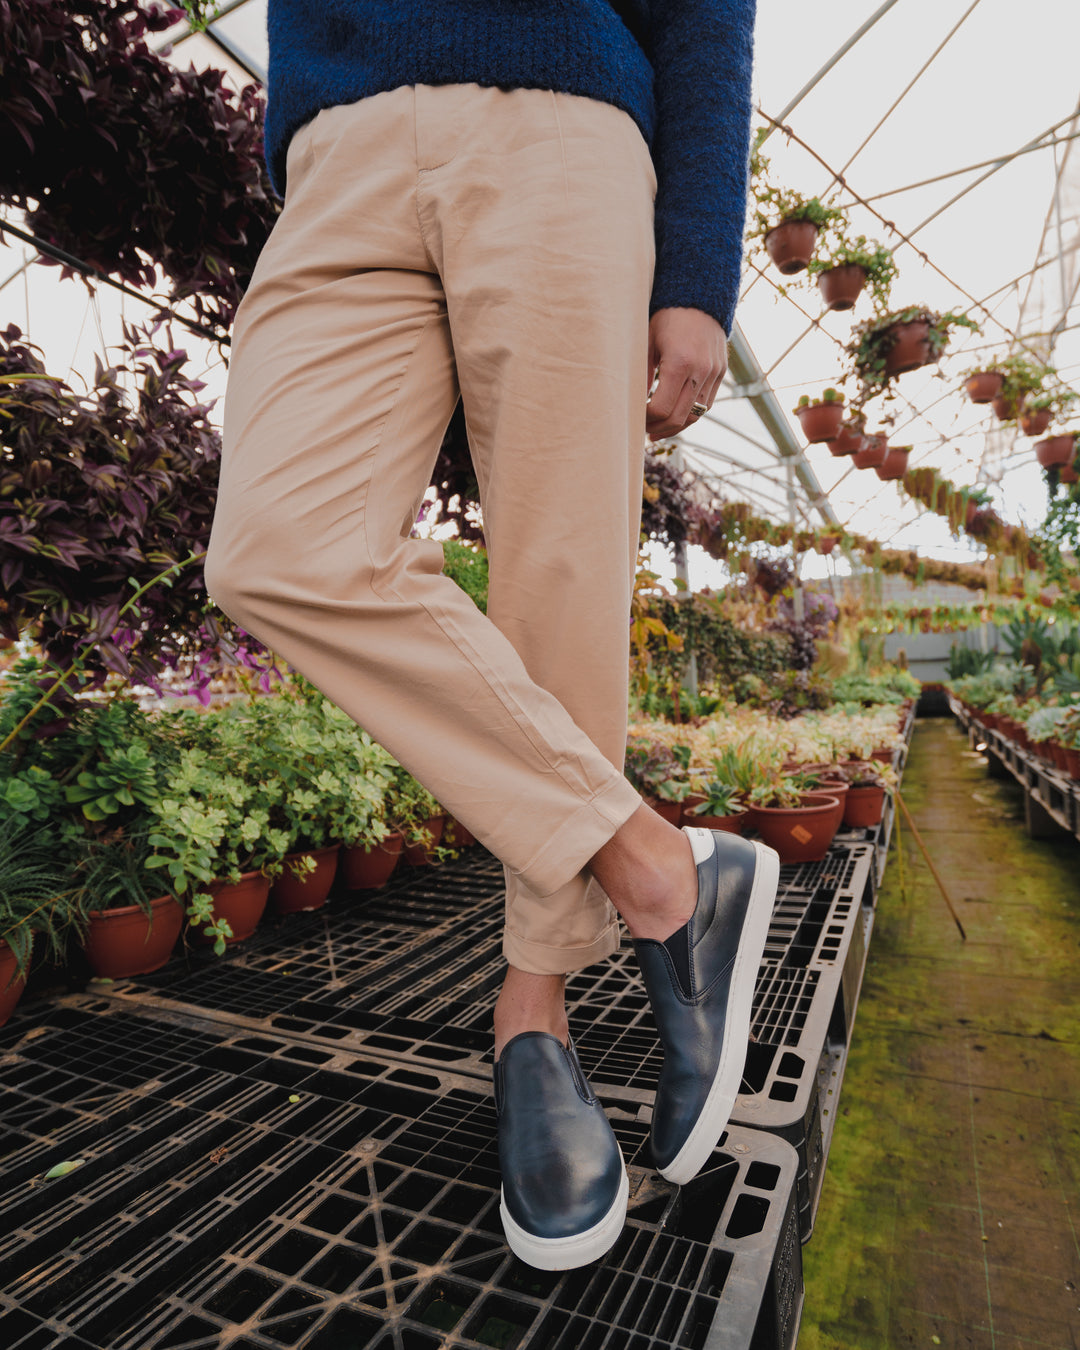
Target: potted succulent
(820, 418)
(799, 825)
(890, 344)
(867, 781)
(844, 266)
(895, 463)
(849, 440)
(658, 774)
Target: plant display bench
(1051, 798)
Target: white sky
(1004, 78)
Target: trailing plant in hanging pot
(785, 222)
(1045, 408)
(885, 347)
(844, 266)
(820, 418)
(1023, 377)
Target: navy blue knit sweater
(680, 68)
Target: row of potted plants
(795, 783)
(1009, 699)
(122, 822)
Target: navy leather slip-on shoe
(564, 1188)
(700, 983)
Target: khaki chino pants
(496, 244)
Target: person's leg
(341, 382)
(538, 213)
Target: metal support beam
(745, 370)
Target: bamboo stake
(929, 862)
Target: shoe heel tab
(701, 842)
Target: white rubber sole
(567, 1253)
(720, 1103)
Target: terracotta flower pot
(840, 287)
(827, 542)
(1005, 409)
(366, 869)
(820, 422)
(1055, 451)
(864, 807)
(838, 789)
(1067, 474)
(126, 941)
(456, 835)
(1057, 751)
(984, 386)
(883, 754)
(1035, 423)
(241, 903)
(847, 441)
(419, 855)
(1072, 762)
(894, 465)
(910, 347)
(291, 893)
(729, 824)
(873, 453)
(791, 245)
(669, 811)
(10, 988)
(800, 833)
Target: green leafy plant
(836, 249)
(37, 896)
(873, 339)
(781, 206)
(654, 770)
(830, 396)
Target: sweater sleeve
(702, 55)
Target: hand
(689, 349)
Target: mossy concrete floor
(950, 1212)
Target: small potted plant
(799, 825)
(890, 344)
(844, 266)
(1023, 377)
(658, 774)
(820, 418)
(1056, 451)
(1045, 407)
(850, 438)
(36, 899)
(786, 222)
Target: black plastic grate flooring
(252, 1191)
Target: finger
(671, 413)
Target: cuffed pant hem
(569, 848)
(540, 959)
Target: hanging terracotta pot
(873, 453)
(241, 903)
(984, 386)
(11, 988)
(1005, 409)
(791, 245)
(848, 440)
(820, 422)
(798, 833)
(827, 542)
(291, 893)
(419, 855)
(841, 286)
(910, 347)
(1035, 423)
(1055, 451)
(894, 465)
(864, 806)
(366, 868)
(127, 941)
(1067, 474)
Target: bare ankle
(530, 1002)
(648, 871)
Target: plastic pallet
(271, 1194)
(338, 977)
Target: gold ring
(699, 409)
